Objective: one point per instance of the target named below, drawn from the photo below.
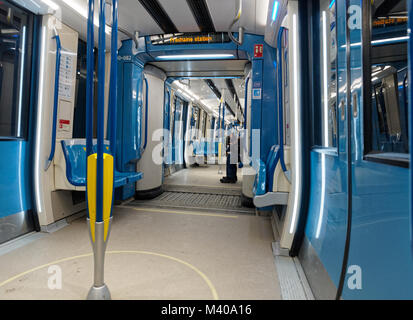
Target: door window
(386, 105)
(15, 65)
(325, 120)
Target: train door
(379, 245)
(172, 130)
(358, 227)
(166, 126)
(177, 134)
(16, 215)
(327, 223)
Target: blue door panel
(15, 193)
(326, 224)
(327, 213)
(380, 237)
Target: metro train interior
(205, 150)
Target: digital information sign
(190, 38)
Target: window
(386, 118)
(15, 66)
(325, 117)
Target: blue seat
(264, 180)
(271, 165)
(129, 176)
(260, 179)
(75, 155)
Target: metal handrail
(240, 30)
(280, 99)
(146, 114)
(246, 102)
(56, 99)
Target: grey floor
(204, 179)
(152, 254)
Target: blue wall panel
(129, 119)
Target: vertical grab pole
(219, 125)
(246, 103)
(100, 168)
(246, 114)
(223, 137)
(219, 116)
(90, 66)
(410, 97)
(146, 113)
(113, 96)
(223, 122)
(113, 91)
(90, 62)
(280, 103)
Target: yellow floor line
(179, 212)
(199, 272)
(234, 187)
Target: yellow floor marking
(179, 212)
(199, 272)
(234, 187)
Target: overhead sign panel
(190, 38)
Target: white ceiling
(253, 18)
(180, 15)
(133, 17)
